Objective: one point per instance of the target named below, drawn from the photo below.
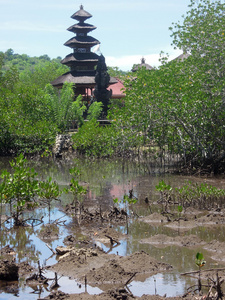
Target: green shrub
(95, 140)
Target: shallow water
(107, 180)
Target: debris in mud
(97, 216)
(107, 236)
(38, 277)
(60, 250)
(49, 232)
(58, 295)
(11, 287)
(9, 270)
(7, 250)
(69, 239)
(67, 251)
(25, 269)
(120, 293)
(108, 270)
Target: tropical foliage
(62, 107)
(177, 109)
(29, 122)
(19, 188)
(94, 140)
(180, 107)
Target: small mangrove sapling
(49, 190)
(76, 189)
(165, 193)
(127, 200)
(20, 188)
(200, 262)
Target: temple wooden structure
(82, 61)
(142, 65)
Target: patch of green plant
(200, 262)
(94, 110)
(75, 188)
(49, 190)
(126, 199)
(162, 186)
(63, 109)
(21, 187)
(95, 140)
(200, 195)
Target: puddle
(66, 285)
(169, 285)
(108, 180)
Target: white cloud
(126, 62)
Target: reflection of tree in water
(104, 176)
(105, 198)
(19, 239)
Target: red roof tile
(117, 89)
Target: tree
(202, 34)
(180, 106)
(25, 123)
(94, 110)
(20, 187)
(63, 108)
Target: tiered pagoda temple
(82, 62)
(142, 65)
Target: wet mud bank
(85, 260)
(104, 249)
(113, 273)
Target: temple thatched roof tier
(81, 27)
(84, 78)
(81, 15)
(142, 65)
(82, 41)
(80, 57)
(82, 61)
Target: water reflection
(169, 285)
(106, 180)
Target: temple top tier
(81, 15)
(81, 27)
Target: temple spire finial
(81, 6)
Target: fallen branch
(34, 220)
(205, 270)
(57, 220)
(112, 240)
(129, 280)
(55, 285)
(50, 248)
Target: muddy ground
(85, 261)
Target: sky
(127, 29)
